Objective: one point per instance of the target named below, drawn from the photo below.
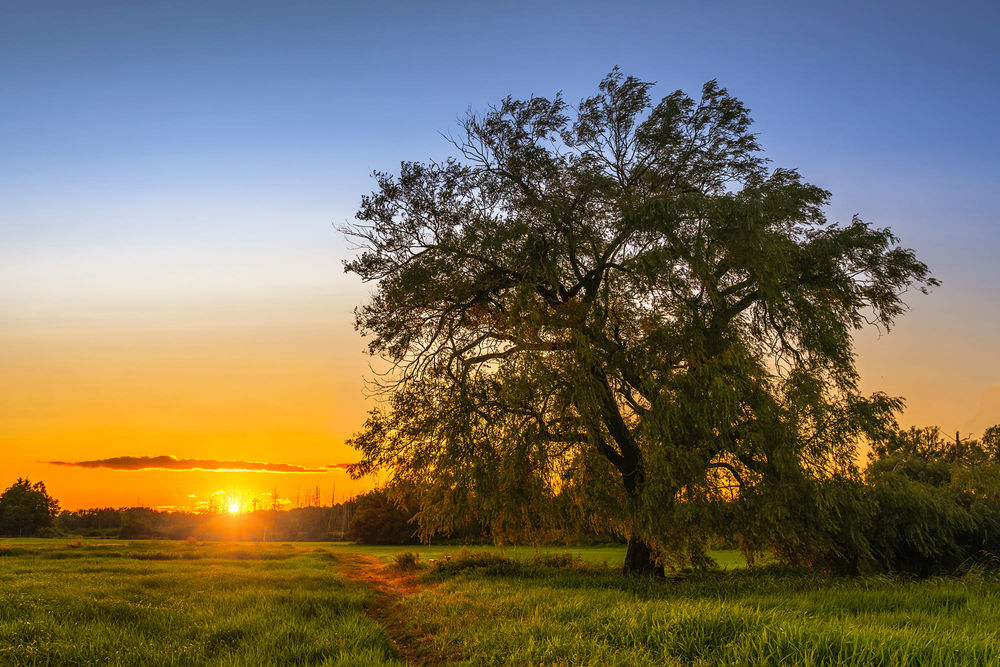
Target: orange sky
(265, 382)
(172, 175)
(272, 380)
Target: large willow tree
(619, 304)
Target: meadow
(156, 603)
(178, 603)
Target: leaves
(626, 282)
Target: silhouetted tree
(926, 504)
(25, 508)
(620, 298)
(379, 520)
(930, 444)
(990, 443)
(104, 521)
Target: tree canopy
(25, 508)
(930, 444)
(623, 305)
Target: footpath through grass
(156, 603)
(175, 603)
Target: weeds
(406, 561)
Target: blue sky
(182, 166)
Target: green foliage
(406, 560)
(380, 520)
(496, 564)
(102, 522)
(138, 523)
(621, 303)
(26, 508)
(925, 506)
(928, 444)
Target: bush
(916, 517)
(492, 563)
(406, 560)
(484, 561)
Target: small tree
(25, 508)
(621, 301)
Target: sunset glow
(174, 314)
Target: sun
(234, 508)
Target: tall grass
(612, 555)
(182, 604)
(159, 603)
(488, 612)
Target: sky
(173, 308)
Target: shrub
(485, 561)
(563, 560)
(916, 517)
(406, 560)
(495, 564)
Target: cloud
(174, 463)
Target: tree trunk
(640, 559)
(627, 459)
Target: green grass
(611, 555)
(489, 612)
(175, 603)
(153, 603)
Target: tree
(25, 508)
(930, 444)
(990, 442)
(379, 520)
(621, 301)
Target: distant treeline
(303, 523)
(926, 503)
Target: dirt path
(390, 585)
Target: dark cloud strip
(174, 463)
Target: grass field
(495, 614)
(162, 603)
(611, 555)
(153, 603)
